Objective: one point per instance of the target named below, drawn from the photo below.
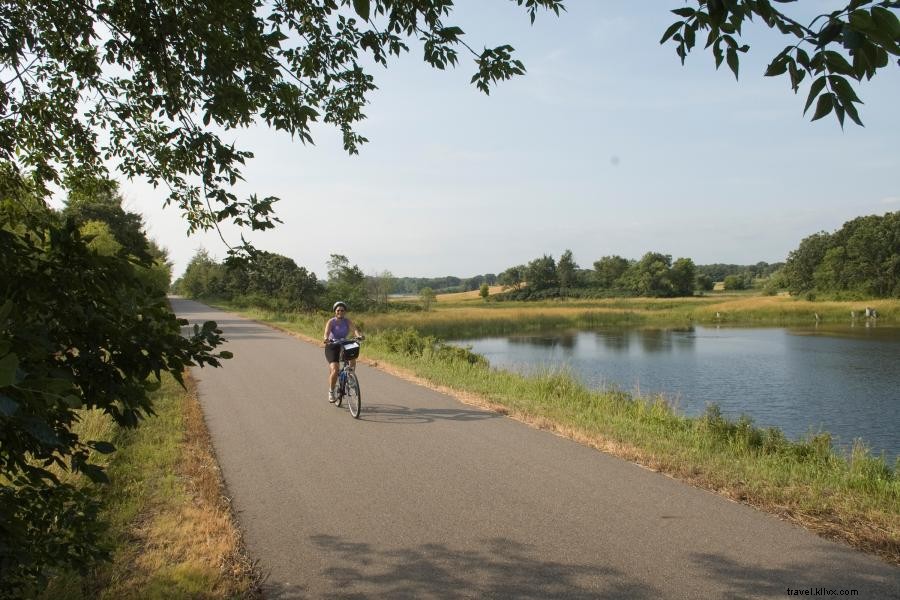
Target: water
(842, 380)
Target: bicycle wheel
(354, 399)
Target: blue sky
(606, 146)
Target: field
(467, 315)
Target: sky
(608, 145)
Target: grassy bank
(855, 498)
(170, 529)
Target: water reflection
(843, 380)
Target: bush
(410, 342)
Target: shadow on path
(497, 568)
(755, 581)
(396, 414)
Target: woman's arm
(352, 327)
(327, 329)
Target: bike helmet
(338, 303)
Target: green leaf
(837, 63)
(853, 39)
(817, 86)
(8, 366)
(362, 8)
(670, 31)
(824, 106)
(851, 111)
(685, 12)
(862, 21)
(777, 66)
(886, 21)
(731, 58)
(843, 89)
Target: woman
(336, 329)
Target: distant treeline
(655, 274)
(441, 285)
(276, 282)
(860, 259)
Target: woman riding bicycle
(337, 329)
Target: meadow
(463, 315)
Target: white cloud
(891, 200)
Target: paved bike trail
(426, 497)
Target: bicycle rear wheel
(354, 398)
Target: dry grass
(192, 547)
(468, 296)
(172, 530)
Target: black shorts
(332, 352)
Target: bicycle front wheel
(354, 398)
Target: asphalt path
(427, 497)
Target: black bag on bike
(349, 350)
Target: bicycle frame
(348, 384)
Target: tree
(863, 257)
(512, 277)
(704, 282)
(163, 81)
(93, 200)
(78, 329)
(734, 282)
(609, 270)
(864, 31)
(682, 275)
(202, 278)
(380, 287)
(650, 275)
(484, 291)
(801, 263)
(346, 283)
(427, 296)
(541, 274)
(566, 270)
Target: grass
(855, 498)
(170, 527)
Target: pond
(844, 380)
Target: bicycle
(348, 384)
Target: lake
(844, 380)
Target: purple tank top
(339, 328)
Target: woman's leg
(332, 375)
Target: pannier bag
(349, 350)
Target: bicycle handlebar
(349, 339)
